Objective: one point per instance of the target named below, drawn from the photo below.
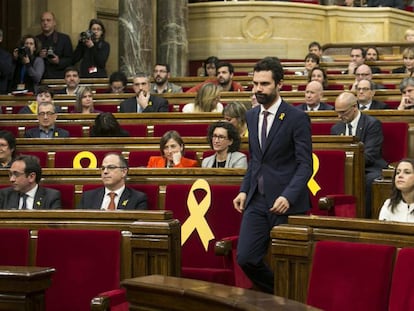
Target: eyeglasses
(16, 174)
(160, 71)
(219, 137)
(47, 113)
(363, 89)
(110, 167)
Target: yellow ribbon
(312, 184)
(196, 220)
(85, 155)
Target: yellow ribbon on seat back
(85, 155)
(312, 184)
(196, 220)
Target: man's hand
(351, 68)
(143, 99)
(280, 206)
(239, 202)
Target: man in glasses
(365, 93)
(25, 192)
(369, 131)
(114, 195)
(364, 72)
(161, 74)
(46, 115)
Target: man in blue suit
(369, 131)
(114, 195)
(275, 184)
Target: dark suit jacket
(322, 106)
(6, 70)
(369, 131)
(158, 104)
(399, 4)
(130, 199)
(399, 70)
(35, 133)
(375, 104)
(45, 198)
(286, 162)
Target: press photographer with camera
(56, 47)
(28, 67)
(92, 51)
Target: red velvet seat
(195, 129)
(220, 217)
(67, 193)
(106, 108)
(75, 130)
(402, 286)
(350, 276)
(330, 178)
(14, 247)
(65, 159)
(321, 128)
(14, 129)
(114, 300)
(395, 144)
(135, 130)
(42, 155)
(87, 263)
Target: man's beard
(159, 81)
(224, 82)
(265, 99)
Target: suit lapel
(124, 199)
(280, 115)
(360, 126)
(39, 198)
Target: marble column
(136, 36)
(172, 42)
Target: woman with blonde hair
(408, 59)
(207, 100)
(235, 113)
(84, 101)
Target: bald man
(313, 96)
(369, 131)
(364, 72)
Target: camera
(50, 53)
(23, 51)
(87, 35)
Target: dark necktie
(264, 129)
(24, 200)
(111, 205)
(349, 129)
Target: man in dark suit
(365, 92)
(275, 184)
(143, 100)
(6, 68)
(114, 195)
(46, 114)
(313, 96)
(369, 131)
(25, 193)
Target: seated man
(25, 193)
(313, 96)
(364, 72)
(46, 114)
(72, 81)
(161, 74)
(114, 195)
(369, 131)
(143, 101)
(43, 95)
(365, 92)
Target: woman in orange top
(172, 150)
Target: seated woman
(207, 100)
(172, 151)
(224, 139)
(319, 74)
(235, 113)
(408, 59)
(84, 101)
(106, 125)
(400, 206)
(311, 61)
(8, 149)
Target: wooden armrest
(223, 247)
(325, 203)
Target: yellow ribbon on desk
(312, 184)
(196, 220)
(85, 155)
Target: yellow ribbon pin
(196, 220)
(312, 184)
(82, 155)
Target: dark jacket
(156, 104)
(95, 56)
(35, 133)
(45, 198)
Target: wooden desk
(23, 288)
(156, 292)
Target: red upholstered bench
(14, 247)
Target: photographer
(92, 51)
(28, 66)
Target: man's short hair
(226, 64)
(270, 64)
(314, 43)
(118, 76)
(167, 66)
(409, 81)
(363, 52)
(70, 68)
(44, 89)
(32, 165)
